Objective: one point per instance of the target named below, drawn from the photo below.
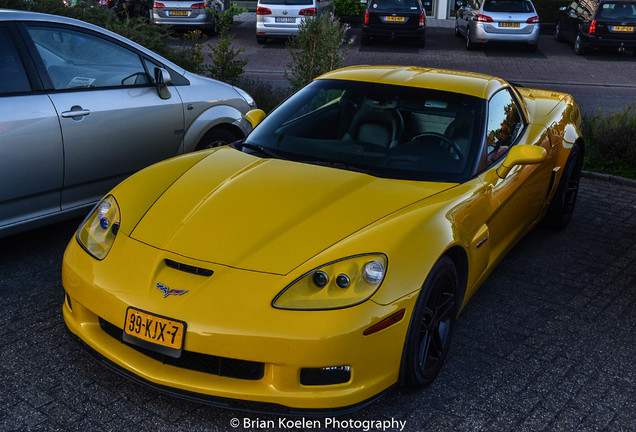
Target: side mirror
(162, 79)
(522, 154)
(255, 116)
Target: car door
(112, 119)
(517, 200)
(31, 154)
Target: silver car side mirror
(162, 79)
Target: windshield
(617, 11)
(384, 130)
(520, 6)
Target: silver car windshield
(519, 6)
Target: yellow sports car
(324, 259)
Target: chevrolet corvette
(324, 259)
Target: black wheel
(579, 48)
(457, 32)
(469, 44)
(261, 40)
(432, 325)
(557, 32)
(562, 205)
(216, 138)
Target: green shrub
(266, 95)
(349, 7)
(318, 48)
(225, 66)
(611, 142)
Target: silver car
(81, 108)
(482, 21)
(187, 14)
(281, 18)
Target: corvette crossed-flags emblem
(167, 291)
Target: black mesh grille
(188, 268)
(214, 365)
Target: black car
(394, 18)
(598, 24)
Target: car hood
(268, 215)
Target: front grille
(214, 365)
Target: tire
(457, 32)
(562, 205)
(432, 325)
(579, 47)
(469, 45)
(216, 138)
(557, 32)
(261, 40)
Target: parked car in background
(485, 21)
(282, 18)
(130, 8)
(394, 19)
(597, 24)
(81, 108)
(189, 14)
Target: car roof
(469, 83)
(18, 15)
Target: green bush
(349, 7)
(266, 95)
(317, 49)
(225, 66)
(548, 9)
(611, 142)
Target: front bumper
(379, 31)
(227, 318)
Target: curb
(610, 178)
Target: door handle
(76, 113)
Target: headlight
(339, 284)
(249, 99)
(97, 233)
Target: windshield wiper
(259, 149)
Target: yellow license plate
(394, 19)
(509, 24)
(623, 28)
(154, 332)
(178, 13)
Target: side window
(13, 77)
(75, 59)
(504, 124)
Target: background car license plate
(509, 24)
(154, 332)
(394, 19)
(285, 20)
(623, 28)
(178, 13)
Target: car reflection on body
(82, 108)
(324, 259)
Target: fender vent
(188, 268)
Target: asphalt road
(548, 343)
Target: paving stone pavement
(547, 344)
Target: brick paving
(547, 344)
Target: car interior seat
(377, 122)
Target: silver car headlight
(249, 99)
(339, 284)
(98, 231)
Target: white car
(281, 18)
(484, 21)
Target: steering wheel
(452, 145)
